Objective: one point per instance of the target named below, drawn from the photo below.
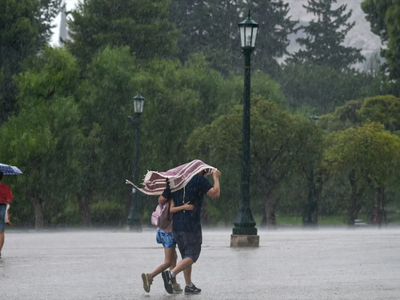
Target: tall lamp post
(244, 233)
(134, 214)
(310, 217)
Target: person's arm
(162, 199)
(165, 196)
(215, 191)
(174, 209)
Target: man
(5, 198)
(187, 226)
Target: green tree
(321, 88)
(384, 18)
(343, 117)
(25, 28)
(369, 157)
(375, 14)
(43, 137)
(178, 99)
(142, 25)
(382, 109)
(106, 102)
(211, 27)
(323, 44)
(275, 25)
(278, 141)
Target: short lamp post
(134, 214)
(244, 222)
(310, 217)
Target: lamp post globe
(248, 30)
(244, 232)
(138, 103)
(134, 214)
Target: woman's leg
(2, 225)
(169, 254)
(1, 240)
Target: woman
(6, 197)
(166, 238)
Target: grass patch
(393, 217)
(289, 220)
(332, 220)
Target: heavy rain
(230, 149)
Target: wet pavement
(289, 264)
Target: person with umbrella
(6, 197)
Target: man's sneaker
(167, 277)
(177, 288)
(147, 281)
(192, 290)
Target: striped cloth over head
(156, 182)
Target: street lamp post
(310, 217)
(134, 214)
(244, 233)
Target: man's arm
(215, 191)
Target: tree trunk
(270, 209)
(380, 201)
(319, 184)
(84, 203)
(38, 204)
(354, 205)
(310, 206)
(264, 217)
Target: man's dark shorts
(189, 244)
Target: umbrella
(9, 170)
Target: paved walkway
(289, 264)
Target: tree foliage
(320, 88)
(43, 137)
(367, 156)
(323, 44)
(275, 26)
(380, 109)
(25, 28)
(211, 27)
(384, 18)
(142, 25)
(279, 141)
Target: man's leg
(187, 273)
(185, 263)
(169, 276)
(190, 288)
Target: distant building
(64, 36)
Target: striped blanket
(155, 182)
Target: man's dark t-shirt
(193, 192)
